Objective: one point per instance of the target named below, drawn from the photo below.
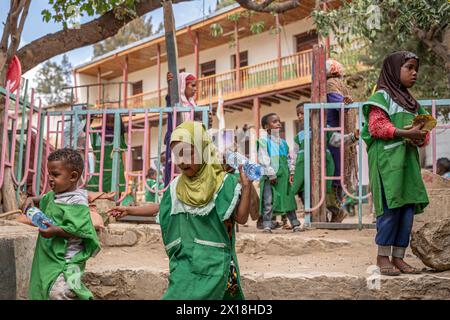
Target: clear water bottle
(37, 217)
(252, 170)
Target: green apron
(198, 245)
(283, 200)
(149, 195)
(49, 261)
(93, 183)
(299, 175)
(393, 163)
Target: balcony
(270, 76)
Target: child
(63, 248)
(197, 216)
(443, 167)
(333, 140)
(275, 184)
(150, 196)
(394, 170)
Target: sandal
(388, 270)
(407, 269)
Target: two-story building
(255, 72)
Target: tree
(50, 80)
(389, 25)
(220, 4)
(137, 29)
(112, 16)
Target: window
(243, 60)
(283, 130)
(137, 160)
(137, 88)
(208, 68)
(306, 40)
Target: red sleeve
(380, 126)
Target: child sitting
(62, 249)
(333, 140)
(275, 184)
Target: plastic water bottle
(37, 217)
(252, 170)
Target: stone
(17, 243)
(434, 181)
(431, 243)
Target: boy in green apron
(275, 184)
(333, 139)
(63, 248)
(394, 170)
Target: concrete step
(149, 284)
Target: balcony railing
(270, 75)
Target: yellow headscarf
(198, 190)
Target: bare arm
(149, 210)
(243, 210)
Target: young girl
(197, 216)
(394, 169)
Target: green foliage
(357, 23)
(51, 78)
(220, 4)
(135, 30)
(64, 10)
(216, 30)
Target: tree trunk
(350, 162)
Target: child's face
(191, 89)
(300, 114)
(184, 157)
(273, 123)
(408, 73)
(61, 179)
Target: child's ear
(74, 176)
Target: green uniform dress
(393, 164)
(149, 195)
(299, 175)
(198, 245)
(49, 260)
(93, 184)
(283, 198)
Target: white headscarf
(184, 101)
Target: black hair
(444, 162)
(72, 159)
(150, 173)
(265, 118)
(301, 104)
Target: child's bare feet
(386, 267)
(404, 267)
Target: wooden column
(74, 74)
(280, 69)
(158, 72)
(149, 143)
(197, 59)
(327, 38)
(238, 56)
(99, 87)
(125, 82)
(318, 94)
(256, 114)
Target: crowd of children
(201, 205)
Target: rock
(434, 181)
(17, 242)
(431, 243)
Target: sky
(35, 27)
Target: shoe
(267, 230)
(298, 229)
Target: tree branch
(435, 45)
(89, 33)
(269, 5)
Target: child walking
(394, 170)
(197, 216)
(333, 140)
(63, 248)
(275, 184)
